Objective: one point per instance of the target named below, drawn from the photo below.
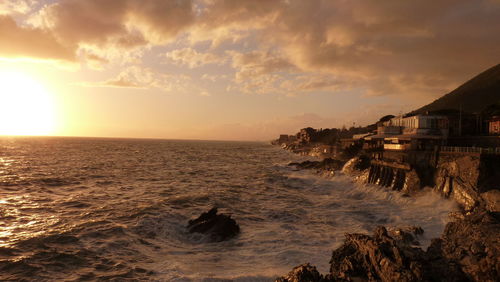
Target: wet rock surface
(468, 250)
(379, 257)
(326, 164)
(472, 242)
(302, 273)
(492, 200)
(467, 177)
(219, 227)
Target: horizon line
(122, 137)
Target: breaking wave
(75, 208)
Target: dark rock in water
(219, 227)
(363, 162)
(302, 273)
(326, 164)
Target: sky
(235, 70)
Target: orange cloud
(146, 78)
(192, 58)
(25, 42)
(10, 7)
(65, 27)
(128, 22)
(386, 47)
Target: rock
(356, 165)
(305, 164)
(492, 200)
(326, 164)
(464, 195)
(411, 184)
(473, 244)
(302, 273)
(465, 177)
(219, 227)
(378, 257)
(407, 234)
(363, 162)
(468, 250)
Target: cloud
(146, 78)
(122, 82)
(123, 21)
(259, 71)
(63, 28)
(12, 7)
(192, 58)
(257, 63)
(27, 42)
(393, 47)
(94, 61)
(386, 47)
(231, 21)
(213, 77)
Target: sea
(117, 209)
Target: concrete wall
(464, 177)
(399, 177)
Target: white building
(419, 132)
(421, 125)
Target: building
(436, 125)
(283, 139)
(325, 151)
(494, 125)
(306, 135)
(419, 132)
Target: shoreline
(467, 250)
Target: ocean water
(92, 209)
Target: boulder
(472, 243)
(326, 164)
(219, 227)
(492, 200)
(356, 165)
(302, 273)
(378, 258)
(408, 234)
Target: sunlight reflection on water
(105, 208)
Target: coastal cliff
(467, 178)
(450, 146)
(467, 250)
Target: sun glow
(26, 108)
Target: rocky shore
(468, 249)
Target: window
(433, 123)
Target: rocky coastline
(468, 249)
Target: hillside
(474, 95)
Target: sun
(26, 108)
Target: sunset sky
(234, 69)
